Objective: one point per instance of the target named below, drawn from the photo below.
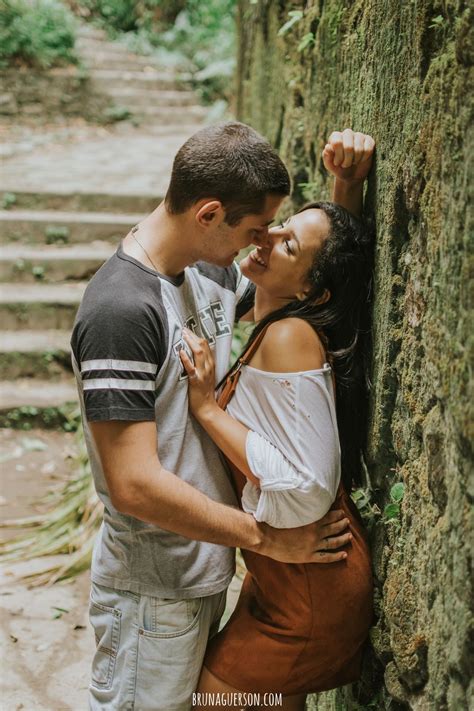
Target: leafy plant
(307, 41)
(117, 113)
(436, 22)
(368, 510)
(8, 200)
(294, 16)
(56, 233)
(38, 272)
(39, 33)
(392, 510)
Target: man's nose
(262, 238)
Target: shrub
(39, 33)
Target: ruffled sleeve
(287, 497)
(292, 446)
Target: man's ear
(209, 212)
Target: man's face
(222, 245)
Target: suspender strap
(248, 354)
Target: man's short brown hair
(229, 162)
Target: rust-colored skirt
(298, 628)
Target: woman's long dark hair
(343, 265)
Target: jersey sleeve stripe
(110, 364)
(242, 287)
(117, 384)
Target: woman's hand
(348, 155)
(201, 375)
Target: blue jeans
(149, 650)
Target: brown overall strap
(230, 385)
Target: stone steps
(80, 202)
(39, 306)
(141, 97)
(35, 354)
(118, 61)
(60, 226)
(107, 79)
(36, 394)
(24, 263)
(56, 227)
(171, 114)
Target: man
(163, 558)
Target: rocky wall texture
(402, 71)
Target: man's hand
(314, 543)
(348, 155)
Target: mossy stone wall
(402, 71)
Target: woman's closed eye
(287, 247)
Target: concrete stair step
(169, 114)
(36, 394)
(118, 62)
(35, 354)
(54, 227)
(80, 202)
(39, 306)
(85, 31)
(106, 79)
(145, 97)
(24, 263)
(90, 47)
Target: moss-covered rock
(401, 71)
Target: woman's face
(280, 267)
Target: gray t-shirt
(125, 345)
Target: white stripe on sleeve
(117, 384)
(110, 364)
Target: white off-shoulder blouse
(292, 446)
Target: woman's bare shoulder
(289, 346)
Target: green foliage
(56, 234)
(119, 15)
(26, 417)
(8, 200)
(368, 510)
(294, 16)
(38, 272)
(204, 36)
(307, 41)
(391, 511)
(117, 113)
(39, 33)
(198, 37)
(436, 22)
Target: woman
(294, 455)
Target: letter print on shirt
(213, 324)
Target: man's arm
(140, 486)
(348, 156)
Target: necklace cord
(133, 233)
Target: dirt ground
(45, 635)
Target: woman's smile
(256, 256)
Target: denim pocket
(170, 618)
(106, 623)
(170, 655)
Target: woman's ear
(325, 297)
(322, 299)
